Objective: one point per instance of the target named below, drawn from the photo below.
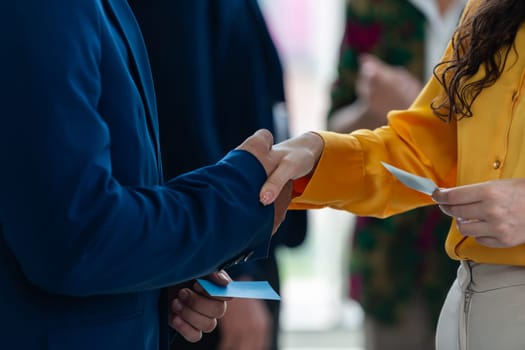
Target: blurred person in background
(464, 132)
(218, 78)
(399, 272)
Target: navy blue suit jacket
(89, 231)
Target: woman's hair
(483, 40)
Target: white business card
(418, 183)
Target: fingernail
(178, 306)
(436, 191)
(461, 220)
(184, 295)
(223, 276)
(266, 198)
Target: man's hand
(493, 212)
(260, 145)
(281, 205)
(246, 325)
(193, 312)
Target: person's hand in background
(193, 311)
(382, 87)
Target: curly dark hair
(483, 40)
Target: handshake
(283, 162)
(192, 311)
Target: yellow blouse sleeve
(349, 174)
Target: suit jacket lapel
(140, 66)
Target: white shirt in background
(438, 29)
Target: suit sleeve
(72, 226)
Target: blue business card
(241, 289)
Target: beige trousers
(484, 309)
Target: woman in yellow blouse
(466, 132)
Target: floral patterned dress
(392, 258)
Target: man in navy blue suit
(218, 78)
(90, 234)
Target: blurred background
(316, 312)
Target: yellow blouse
(487, 146)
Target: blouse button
(496, 164)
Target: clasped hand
(283, 162)
(492, 212)
(192, 311)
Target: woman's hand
(493, 212)
(295, 158)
